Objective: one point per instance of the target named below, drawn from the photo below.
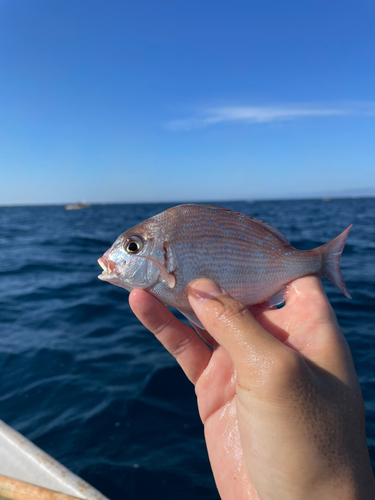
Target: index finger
(253, 351)
(181, 341)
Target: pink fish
(250, 259)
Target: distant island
(77, 206)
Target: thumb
(253, 351)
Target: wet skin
(278, 396)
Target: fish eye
(133, 244)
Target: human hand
(279, 397)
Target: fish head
(121, 263)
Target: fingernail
(204, 289)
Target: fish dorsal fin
(270, 228)
(274, 231)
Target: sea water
(85, 381)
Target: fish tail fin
(330, 269)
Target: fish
(250, 259)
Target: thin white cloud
(267, 114)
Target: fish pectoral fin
(169, 278)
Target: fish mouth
(109, 268)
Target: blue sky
(185, 100)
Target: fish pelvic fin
(204, 335)
(330, 269)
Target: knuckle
(288, 366)
(231, 311)
(162, 328)
(181, 346)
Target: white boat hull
(24, 461)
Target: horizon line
(250, 200)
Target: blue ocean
(85, 381)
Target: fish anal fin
(276, 300)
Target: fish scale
(247, 255)
(248, 258)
